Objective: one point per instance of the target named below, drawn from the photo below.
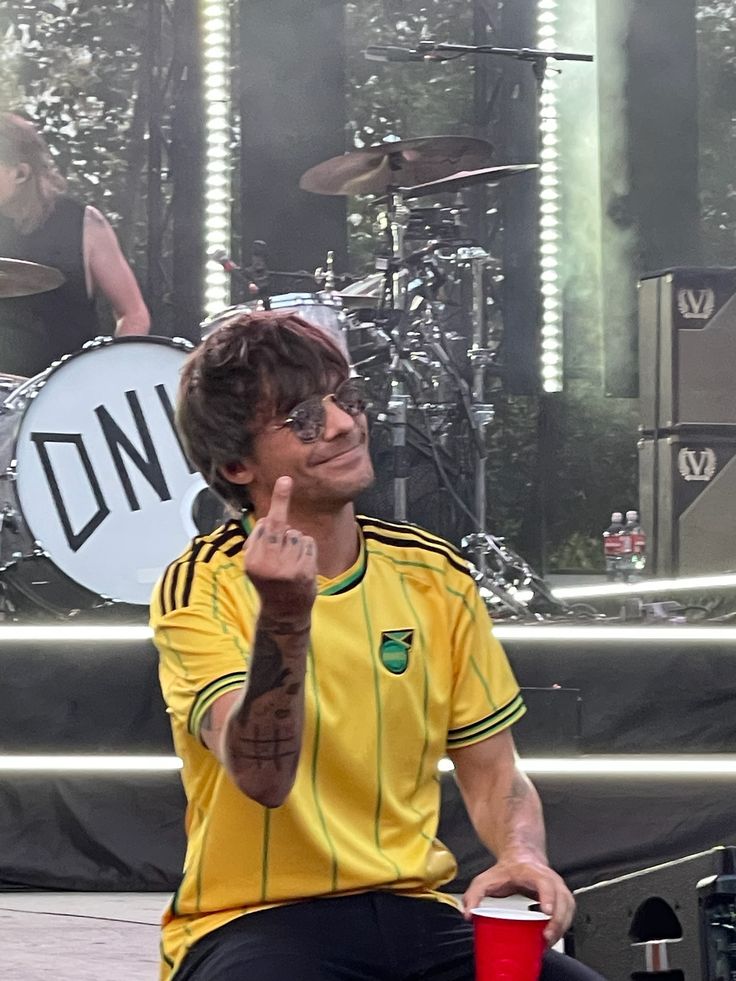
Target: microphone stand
(537, 57)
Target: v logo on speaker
(696, 304)
(697, 464)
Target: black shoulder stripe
(174, 582)
(407, 528)
(203, 548)
(187, 594)
(235, 549)
(417, 543)
(170, 580)
(219, 543)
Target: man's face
(327, 473)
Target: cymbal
(20, 278)
(466, 178)
(405, 162)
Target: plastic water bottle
(612, 544)
(637, 542)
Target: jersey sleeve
(203, 639)
(485, 695)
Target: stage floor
(80, 936)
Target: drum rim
(97, 343)
(318, 299)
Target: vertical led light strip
(216, 80)
(549, 210)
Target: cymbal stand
(481, 413)
(397, 280)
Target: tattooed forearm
(263, 734)
(267, 669)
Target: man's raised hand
(281, 563)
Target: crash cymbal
(466, 178)
(20, 278)
(406, 162)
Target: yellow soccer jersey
(402, 666)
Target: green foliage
(717, 118)
(72, 67)
(578, 552)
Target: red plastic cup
(509, 943)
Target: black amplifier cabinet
(687, 349)
(673, 922)
(687, 496)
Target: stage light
(624, 634)
(549, 197)
(68, 633)
(647, 587)
(216, 94)
(89, 764)
(623, 766)
(627, 766)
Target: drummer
(40, 223)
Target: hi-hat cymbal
(466, 178)
(20, 278)
(406, 162)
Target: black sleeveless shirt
(36, 330)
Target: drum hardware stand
(481, 357)
(397, 280)
(506, 570)
(326, 277)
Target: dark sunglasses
(307, 419)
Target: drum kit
(96, 492)
(423, 328)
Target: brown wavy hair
(256, 366)
(21, 143)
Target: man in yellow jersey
(317, 667)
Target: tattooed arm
(506, 813)
(257, 733)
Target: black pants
(369, 937)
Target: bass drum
(97, 495)
(324, 310)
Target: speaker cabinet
(673, 921)
(687, 349)
(687, 495)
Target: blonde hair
(21, 144)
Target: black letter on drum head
(168, 408)
(149, 465)
(75, 539)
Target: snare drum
(96, 492)
(324, 310)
